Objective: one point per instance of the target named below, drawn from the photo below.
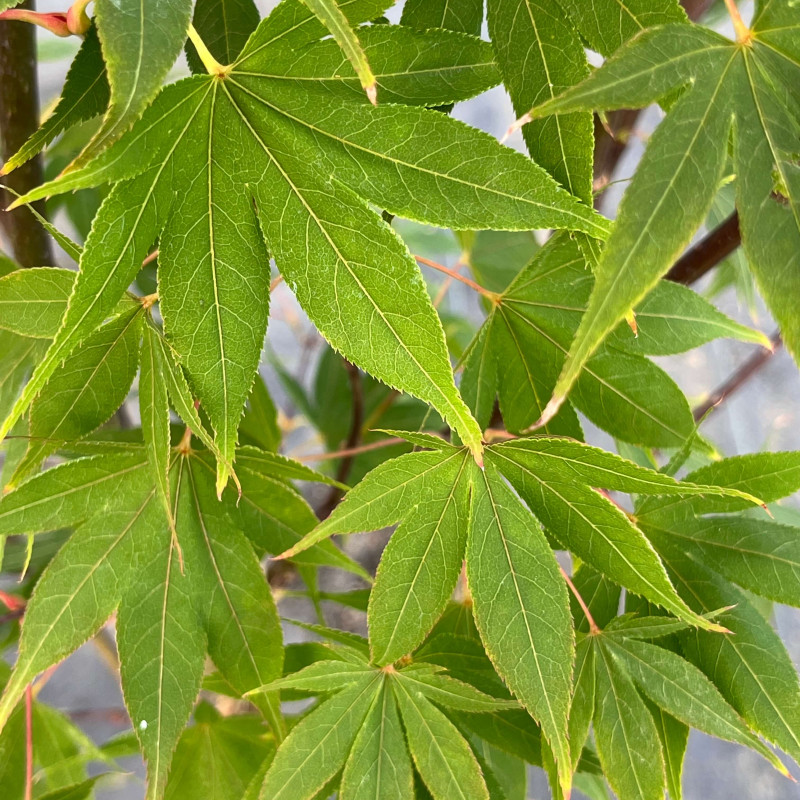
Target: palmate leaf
(127, 557)
(379, 763)
(607, 24)
(520, 601)
(587, 523)
(291, 137)
(632, 734)
(359, 727)
(759, 555)
(674, 737)
(317, 747)
(61, 752)
(521, 608)
(33, 301)
(331, 16)
(528, 333)
(154, 415)
(224, 26)
(626, 736)
(178, 599)
(749, 84)
(462, 16)
(443, 758)
(85, 390)
(681, 689)
(424, 67)
(771, 476)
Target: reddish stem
(28, 743)
(593, 629)
(353, 451)
(458, 277)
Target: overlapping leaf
(85, 95)
(521, 349)
(141, 41)
(183, 588)
(750, 668)
(749, 83)
(280, 149)
(641, 743)
(520, 600)
(359, 729)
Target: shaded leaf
(379, 764)
(317, 747)
(521, 608)
(441, 754)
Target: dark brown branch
(701, 257)
(353, 439)
(738, 379)
(19, 118)
(611, 141)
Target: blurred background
(762, 415)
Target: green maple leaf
(359, 728)
(520, 601)
(746, 88)
(464, 16)
(122, 554)
(152, 541)
(85, 95)
(307, 157)
(614, 665)
(141, 40)
(521, 348)
(218, 756)
(699, 539)
(540, 51)
(224, 26)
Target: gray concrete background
(764, 415)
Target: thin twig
(738, 379)
(364, 448)
(703, 256)
(28, 743)
(497, 434)
(445, 287)
(150, 258)
(372, 420)
(593, 629)
(493, 296)
(275, 283)
(611, 141)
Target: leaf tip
(550, 410)
(516, 125)
(223, 472)
(372, 93)
(630, 318)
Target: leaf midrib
(456, 413)
(416, 167)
